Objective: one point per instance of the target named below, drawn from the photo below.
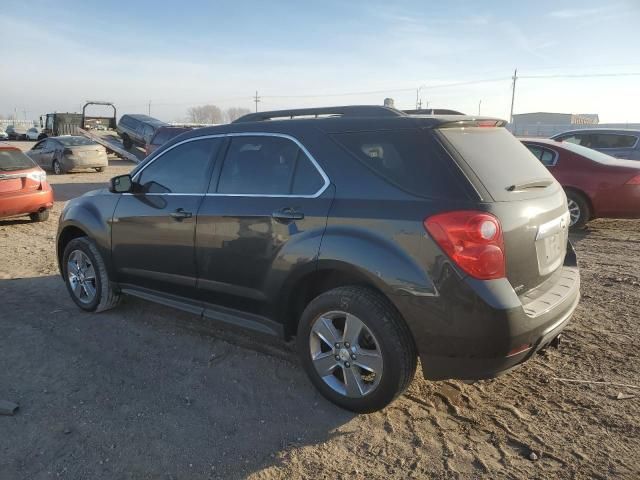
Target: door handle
(180, 214)
(286, 215)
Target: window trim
(556, 155)
(319, 169)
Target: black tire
(126, 142)
(107, 296)
(57, 168)
(99, 169)
(399, 357)
(582, 204)
(42, 216)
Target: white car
(33, 133)
(3, 135)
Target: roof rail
(345, 111)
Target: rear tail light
(634, 181)
(37, 176)
(473, 240)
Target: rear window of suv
(409, 159)
(500, 161)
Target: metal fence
(545, 130)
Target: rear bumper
(479, 368)
(475, 330)
(76, 163)
(24, 203)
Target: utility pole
(479, 105)
(256, 99)
(513, 94)
(149, 107)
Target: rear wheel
(579, 210)
(86, 276)
(39, 216)
(356, 348)
(57, 168)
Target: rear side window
(547, 157)
(409, 159)
(268, 165)
(612, 140)
(12, 160)
(183, 169)
(499, 160)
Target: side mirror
(121, 184)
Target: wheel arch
(329, 275)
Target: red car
(596, 184)
(23, 186)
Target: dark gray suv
(138, 129)
(371, 236)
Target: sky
(451, 54)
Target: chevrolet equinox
(372, 236)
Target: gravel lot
(144, 391)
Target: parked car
(163, 135)
(16, 132)
(137, 129)
(33, 133)
(619, 143)
(597, 185)
(370, 235)
(23, 186)
(66, 153)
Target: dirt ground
(147, 392)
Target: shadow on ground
(144, 391)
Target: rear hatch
(17, 172)
(516, 188)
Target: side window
(611, 140)
(583, 139)
(49, 124)
(39, 145)
(183, 169)
(265, 165)
(148, 132)
(547, 157)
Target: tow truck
(56, 124)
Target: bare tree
(234, 113)
(205, 114)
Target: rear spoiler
(473, 122)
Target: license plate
(551, 244)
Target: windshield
(11, 160)
(75, 141)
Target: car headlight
(38, 176)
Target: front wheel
(356, 349)
(86, 277)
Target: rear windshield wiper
(528, 185)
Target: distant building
(547, 118)
(548, 123)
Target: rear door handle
(180, 214)
(287, 215)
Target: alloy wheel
(574, 212)
(81, 276)
(345, 354)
